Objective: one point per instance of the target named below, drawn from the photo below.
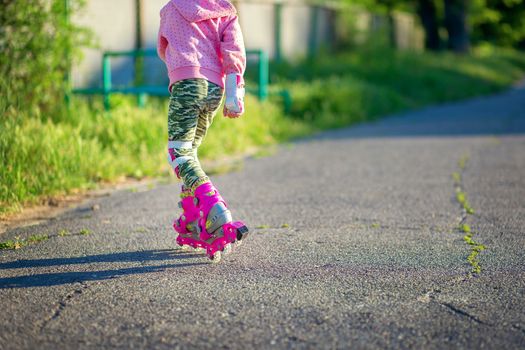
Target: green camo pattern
(193, 105)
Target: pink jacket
(201, 39)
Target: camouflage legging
(193, 104)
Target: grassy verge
(363, 85)
(42, 156)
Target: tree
(427, 11)
(37, 45)
(501, 22)
(456, 25)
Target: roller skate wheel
(227, 249)
(216, 257)
(180, 205)
(186, 248)
(237, 244)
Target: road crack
(459, 312)
(430, 296)
(63, 303)
(475, 247)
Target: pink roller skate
(187, 224)
(217, 229)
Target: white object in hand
(234, 94)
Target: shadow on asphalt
(59, 278)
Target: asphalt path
(354, 244)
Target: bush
(37, 46)
(356, 86)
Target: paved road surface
(355, 245)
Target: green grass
(462, 163)
(43, 157)
(84, 232)
(457, 178)
(461, 197)
(333, 91)
(465, 228)
(19, 243)
(475, 249)
(49, 155)
(63, 233)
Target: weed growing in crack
(462, 163)
(457, 178)
(461, 197)
(476, 248)
(465, 228)
(85, 231)
(37, 238)
(63, 233)
(18, 242)
(10, 244)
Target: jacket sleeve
(232, 48)
(162, 43)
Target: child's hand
(234, 104)
(234, 110)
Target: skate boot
(187, 224)
(217, 229)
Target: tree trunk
(332, 30)
(426, 10)
(456, 25)
(392, 33)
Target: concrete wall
(295, 30)
(257, 22)
(113, 23)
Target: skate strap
(180, 144)
(178, 161)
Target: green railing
(108, 88)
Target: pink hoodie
(201, 39)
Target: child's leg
(193, 106)
(208, 112)
(189, 103)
